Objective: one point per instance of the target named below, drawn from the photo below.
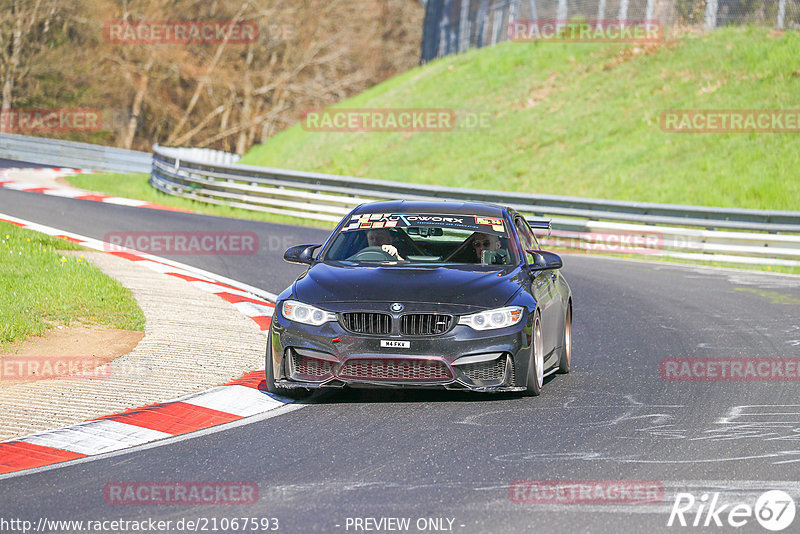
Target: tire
(536, 365)
(566, 347)
(290, 393)
(270, 374)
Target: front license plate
(395, 344)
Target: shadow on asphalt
(351, 395)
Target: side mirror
(544, 261)
(301, 254)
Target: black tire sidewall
(532, 385)
(565, 361)
(268, 370)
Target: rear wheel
(536, 365)
(566, 347)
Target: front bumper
(329, 356)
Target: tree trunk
(203, 81)
(136, 106)
(13, 64)
(241, 142)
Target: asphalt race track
(452, 457)
(11, 163)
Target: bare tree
(18, 24)
(308, 54)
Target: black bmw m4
(454, 295)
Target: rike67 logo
(774, 510)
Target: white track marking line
(238, 400)
(95, 437)
(96, 244)
(21, 186)
(210, 287)
(254, 310)
(286, 408)
(65, 193)
(101, 438)
(124, 201)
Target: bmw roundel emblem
(397, 307)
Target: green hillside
(582, 119)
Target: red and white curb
(56, 170)
(230, 402)
(68, 192)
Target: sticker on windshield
(496, 224)
(372, 220)
(392, 220)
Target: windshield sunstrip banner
(475, 223)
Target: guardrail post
(711, 14)
(463, 26)
(497, 21)
(533, 12)
(623, 11)
(601, 13)
(561, 12)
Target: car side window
(526, 238)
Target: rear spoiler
(541, 224)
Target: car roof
(454, 207)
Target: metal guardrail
(72, 154)
(212, 176)
(694, 232)
(207, 155)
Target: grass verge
(40, 287)
(582, 120)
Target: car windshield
(423, 239)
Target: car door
(543, 287)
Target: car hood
(331, 283)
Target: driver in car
(481, 242)
(381, 237)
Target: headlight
(491, 319)
(305, 313)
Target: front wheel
(566, 347)
(270, 374)
(536, 365)
(290, 393)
